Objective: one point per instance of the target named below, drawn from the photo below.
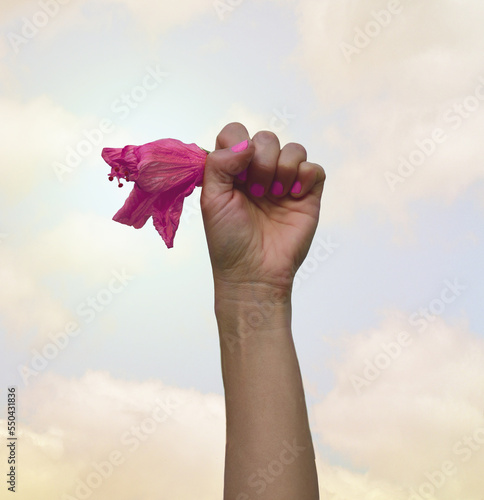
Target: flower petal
(137, 209)
(167, 210)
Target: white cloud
(413, 413)
(407, 60)
(71, 428)
(404, 424)
(337, 483)
(396, 90)
(171, 440)
(7, 8)
(89, 245)
(153, 18)
(34, 135)
(25, 304)
(85, 249)
(157, 17)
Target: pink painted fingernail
(242, 176)
(242, 146)
(257, 190)
(296, 189)
(277, 188)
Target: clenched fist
(260, 206)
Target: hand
(254, 235)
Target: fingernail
(277, 188)
(296, 189)
(242, 176)
(257, 190)
(242, 146)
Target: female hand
(259, 225)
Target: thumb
(222, 165)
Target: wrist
(276, 291)
(248, 313)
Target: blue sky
(276, 65)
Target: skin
(256, 245)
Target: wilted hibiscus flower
(164, 173)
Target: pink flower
(164, 173)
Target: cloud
(96, 433)
(34, 135)
(406, 60)
(398, 87)
(87, 244)
(414, 413)
(159, 438)
(83, 251)
(338, 483)
(400, 409)
(21, 6)
(25, 305)
(50, 17)
(157, 17)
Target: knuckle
(230, 130)
(285, 167)
(263, 165)
(232, 166)
(265, 137)
(323, 172)
(297, 148)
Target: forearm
(269, 453)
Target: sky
(110, 338)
